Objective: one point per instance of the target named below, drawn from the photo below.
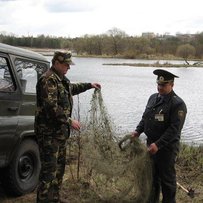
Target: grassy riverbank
(189, 175)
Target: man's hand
(75, 125)
(96, 85)
(135, 134)
(153, 149)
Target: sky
(75, 18)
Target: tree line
(116, 43)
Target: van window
(28, 72)
(6, 80)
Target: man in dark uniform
(162, 122)
(53, 122)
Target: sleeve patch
(181, 113)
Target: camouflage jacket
(54, 103)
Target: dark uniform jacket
(162, 121)
(54, 103)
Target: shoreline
(158, 65)
(198, 64)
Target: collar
(57, 73)
(167, 97)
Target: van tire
(22, 175)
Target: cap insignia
(161, 78)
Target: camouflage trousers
(53, 158)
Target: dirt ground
(77, 192)
(31, 198)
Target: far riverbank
(157, 63)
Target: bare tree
(116, 35)
(185, 51)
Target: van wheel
(22, 175)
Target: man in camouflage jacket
(53, 122)
(162, 122)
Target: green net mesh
(119, 170)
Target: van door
(9, 108)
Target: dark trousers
(53, 158)
(164, 177)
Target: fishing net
(119, 170)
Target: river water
(126, 89)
